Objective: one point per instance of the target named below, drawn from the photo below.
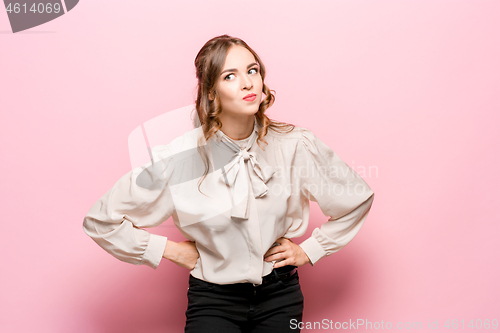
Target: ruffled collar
(246, 167)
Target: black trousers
(243, 307)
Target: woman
(238, 188)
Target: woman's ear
(211, 95)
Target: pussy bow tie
(243, 166)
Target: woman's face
(240, 78)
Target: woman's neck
(237, 128)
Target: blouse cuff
(313, 249)
(154, 250)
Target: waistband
(279, 274)
(276, 274)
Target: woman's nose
(247, 83)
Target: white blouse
(250, 198)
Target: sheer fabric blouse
(249, 198)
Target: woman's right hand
(183, 254)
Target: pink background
(408, 88)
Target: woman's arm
(340, 193)
(140, 199)
(288, 253)
(183, 254)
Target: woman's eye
(254, 70)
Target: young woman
(238, 188)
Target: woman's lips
(250, 97)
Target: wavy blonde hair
(209, 64)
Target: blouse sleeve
(139, 199)
(340, 193)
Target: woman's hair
(209, 64)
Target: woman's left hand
(289, 252)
